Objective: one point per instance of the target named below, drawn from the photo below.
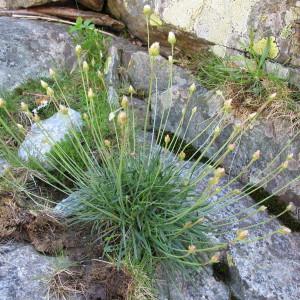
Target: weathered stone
(66, 207)
(139, 73)
(29, 48)
(3, 165)
(11, 4)
(262, 269)
(202, 23)
(198, 285)
(24, 272)
(92, 4)
(45, 134)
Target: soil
(87, 275)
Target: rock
(11, 4)
(67, 206)
(24, 272)
(199, 285)
(43, 135)
(111, 73)
(138, 71)
(3, 165)
(263, 269)
(29, 48)
(199, 24)
(96, 5)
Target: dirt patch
(88, 276)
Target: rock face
(29, 48)
(207, 22)
(11, 4)
(263, 269)
(200, 285)
(45, 134)
(23, 272)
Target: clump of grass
(141, 200)
(245, 80)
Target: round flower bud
(219, 93)
(20, 127)
(228, 105)
(220, 172)
(24, 106)
(217, 131)
(107, 143)
(52, 73)
(131, 90)
(167, 139)
(256, 155)
(192, 89)
(242, 235)
(63, 109)
(154, 49)
(262, 208)
(231, 147)
(215, 258)
(44, 84)
(99, 74)
(252, 116)
(147, 10)
(284, 230)
(182, 155)
(36, 118)
(111, 116)
(85, 116)
(192, 249)
(85, 66)
(124, 102)
(171, 38)
(2, 103)
(90, 93)
(78, 50)
(291, 207)
(122, 118)
(194, 109)
(285, 165)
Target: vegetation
(247, 82)
(142, 201)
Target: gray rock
(139, 71)
(24, 272)
(29, 48)
(263, 269)
(200, 285)
(3, 165)
(10, 4)
(67, 206)
(44, 134)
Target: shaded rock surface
(24, 272)
(10, 4)
(29, 48)
(45, 134)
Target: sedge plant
(142, 200)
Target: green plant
(139, 199)
(245, 79)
